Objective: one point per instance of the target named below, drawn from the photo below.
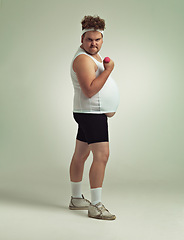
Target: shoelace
(102, 208)
(87, 200)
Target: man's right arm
(85, 69)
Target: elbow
(88, 94)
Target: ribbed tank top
(105, 101)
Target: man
(96, 97)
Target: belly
(109, 97)
(110, 114)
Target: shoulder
(82, 61)
(83, 58)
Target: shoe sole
(78, 208)
(101, 217)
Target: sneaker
(79, 203)
(100, 212)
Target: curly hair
(93, 22)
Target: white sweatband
(92, 29)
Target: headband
(92, 29)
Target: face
(92, 42)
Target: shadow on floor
(33, 199)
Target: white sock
(96, 194)
(76, 189)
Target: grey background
(38, 40)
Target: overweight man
(96, 98)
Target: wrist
(108, 71)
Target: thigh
(94, 127)
(82, 149)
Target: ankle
(76, 189)
(96, 195)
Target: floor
(144, 212)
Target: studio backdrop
(37, 131)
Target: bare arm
(85, 69)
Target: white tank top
(105, 101)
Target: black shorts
(92, 128)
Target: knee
(106, 157)
(80, 159)
(102, 157)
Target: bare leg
(80, 155)
(100, 158)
